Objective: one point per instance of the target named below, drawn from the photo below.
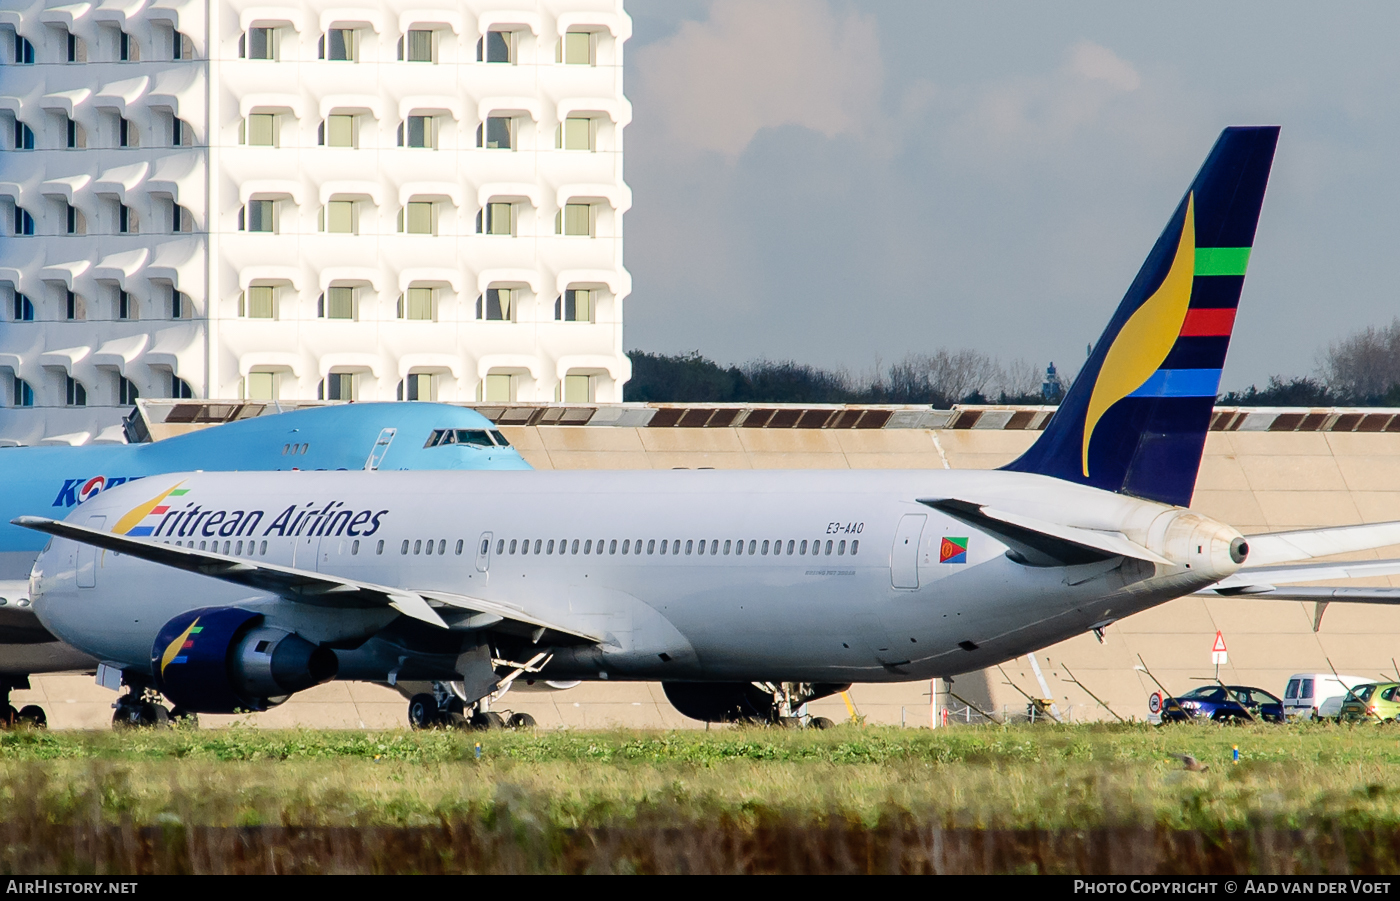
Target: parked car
(1219, 704)
(1312, 696)
(1378, 701)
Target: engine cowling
(224, 659)
(733, 702)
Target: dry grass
(981, 799)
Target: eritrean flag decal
(952, 550)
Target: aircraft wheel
(488, 721)
(187, 719)
(11, 716)
(455, 721)
(788, 722)
(422, 711)
(521, 721)
(33, 716)
(154, 716)
(819, 722)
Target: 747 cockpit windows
(471, 437)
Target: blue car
(1232, 703)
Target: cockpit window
(472, 437)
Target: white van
(1317, 695)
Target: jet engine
(736, 702)
(224, 659)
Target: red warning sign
(1218, 654)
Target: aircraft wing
(1288, 547)
(318, 589)
(1044, 543)
(1263, 583)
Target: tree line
(1362, 369)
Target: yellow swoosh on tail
(134, 516)
(173, 649)
(1148, 335)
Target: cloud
(752, 65)
(1026, 114)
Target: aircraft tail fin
(1135, 419)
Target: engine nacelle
(223, 659)
(734, 702)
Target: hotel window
(258, 43)
(126, 305)
(128, 134)
(574, 305)
(339, 217)
(73, 306)
(417, 46)
(574, 219)
(77, 49)
(496, 218)
(338, 45)
(577, 133)
(75, 393)
(338, 131)
(337, 303)
(418, 132)
(74, 137)
(127, 223)
(23, 394)
(74, 222)
(24, 136)
(496, 133)
(577, 49)
(258, 216)
(418, 386)
(180, 306)
(181, 47)
(258, 302)
(496, 47)
(261, 386)
(24, 51)
(24, 222)
(126, 391)
(498, 388)
(337, 386)
(127, 48)
(181, 220)
(181, 134)
(417, 303)
(496, 305)
(260, 130)
(577, 389)
(23, 310)
(179, 388)
(418, 217)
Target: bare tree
(1021, 379)
(941, 378)
(1364, 365)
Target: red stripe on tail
(1208, 323)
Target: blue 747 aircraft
(53, 480)
(746, 594)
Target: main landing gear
(753, 703)
(445, 709)
(142, 708)
(30, 715)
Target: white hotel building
(371, 199)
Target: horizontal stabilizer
(1252, 578)
(304, 586)
(1286, 547)
(1041, 543)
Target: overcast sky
(840, 183)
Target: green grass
(982, 777)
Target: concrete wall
(1257, 481)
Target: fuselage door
(304, 550)
(483, 552)
(904, 558)
(87, 556)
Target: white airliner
(745, 593)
